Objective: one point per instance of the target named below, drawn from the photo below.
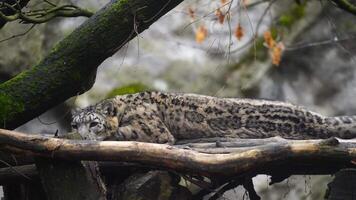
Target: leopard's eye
(92, 124)
(74, 126)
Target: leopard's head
(95, 122)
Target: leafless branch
(239, 155)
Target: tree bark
(317, 153)
(70, 68)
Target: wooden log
(313, 152)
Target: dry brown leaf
(276, 53)
(201, 34)
(191, 13)
(239, 32)
(220, 16)
(269, 39)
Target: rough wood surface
(313, 152)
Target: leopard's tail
(342, 126)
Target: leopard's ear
(109, 108)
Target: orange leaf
(201, 34)
(191, 12)
(269, 39)
(223, 1)
(277, 51)
(239, 32)
(220, 16)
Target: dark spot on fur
(175, 102)
(192, 106)
(264, 109)
(146, 129)
(287, 128)
(162, 130)
(346, 120)
(234, 109)
(233, 122)
(217, 124)
(311, 132)
(267, 126)
(120, 135)
(127, 121)
(163, 96)
(208, 110)
(251, 122)
(134, 135)
(249, 111)
(300, 128)
(319, 120)
(177, 119)
(194, 116)
(346, 135)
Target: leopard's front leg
(144, 128)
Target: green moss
(128, 89)
(285, 20)
(291, 16)
(9, 106)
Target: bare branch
(6, 11)
(19, 35)
(249, 160)
(345, 5)
(42, 15)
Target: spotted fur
(167, 117)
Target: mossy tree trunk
(70, 68)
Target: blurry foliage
(291, 16)
(128, 89)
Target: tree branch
(9, 11)
(255, 160)
(346, 5)
(70, 68)
(43, 15)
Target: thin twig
(19, 35)
(15, 170)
